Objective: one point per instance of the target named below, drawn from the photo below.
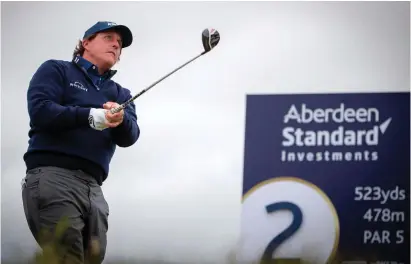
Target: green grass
(52, 249)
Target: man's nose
(116, 45)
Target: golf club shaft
(123, 105)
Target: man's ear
(85, 43)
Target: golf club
(210, 39)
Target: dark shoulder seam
(61, 65)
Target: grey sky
(180, 186)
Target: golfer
(72, 139)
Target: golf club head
(210, 38)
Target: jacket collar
(90, 67)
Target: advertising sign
(327, 178)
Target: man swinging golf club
(75, 126)
(73, 137)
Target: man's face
(105, 48)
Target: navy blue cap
(126, 35)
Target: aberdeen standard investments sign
(326, 176)
(329, 128)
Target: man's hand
(97, 119)
(116, 119)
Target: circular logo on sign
(288, 218)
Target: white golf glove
(97, 119)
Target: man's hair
(79, 49)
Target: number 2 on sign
(285, 234)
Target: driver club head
(210, 38)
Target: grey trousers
(52, 195)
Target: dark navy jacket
(59, 97)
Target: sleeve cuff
(82, 116)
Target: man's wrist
(123, 122)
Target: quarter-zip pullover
(60, 96)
